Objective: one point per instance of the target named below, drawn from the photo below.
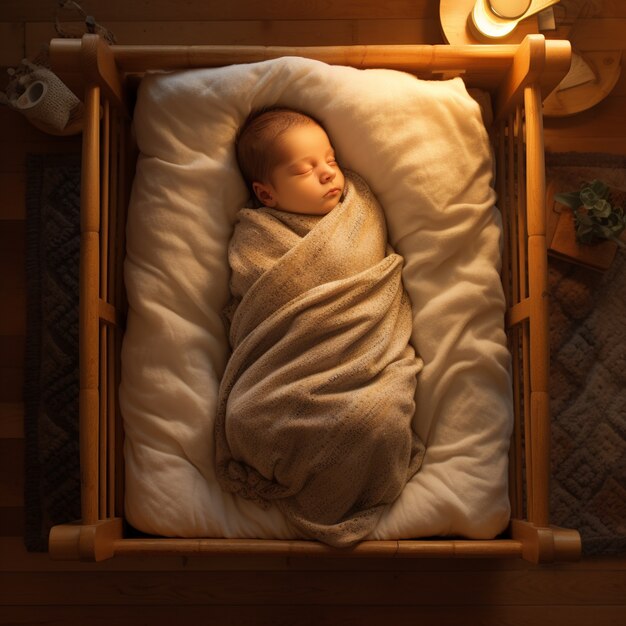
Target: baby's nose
(327, 173)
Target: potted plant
(596, 216)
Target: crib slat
(535, 177)
(501, 195)
(111, 366)
(89, 333)
(519, 241)
(536, 165)
(88, 439)
(365, 549)
(113, 209)
(528, 424)
(511, 206)
(110, 157)
(102, 426)
(90, 182)
(518, 313)
(104, 203)
(538, 404)
(127, 157)
(515, 458)
(540, 495)
(520, 197)
(515, 311)
(538, 290)
(89, 399)
(105, 212)
(124, 180)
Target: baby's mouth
(332, 192)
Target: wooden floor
(267, 591)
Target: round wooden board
(607, 68)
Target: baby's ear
(264, 193)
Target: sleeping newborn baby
(287, 159)
(317, 401)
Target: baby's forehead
(302, 138)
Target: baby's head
(288, 162)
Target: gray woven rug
(52, 482)
(588, 380)
(588, 388)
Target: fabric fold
(316, 404)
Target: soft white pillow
(423, 149)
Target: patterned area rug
(52, 483)
(588, 344)
(588, 380)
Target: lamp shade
(494, 19)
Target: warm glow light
(509, 9)
(488, 24)
(495, 19)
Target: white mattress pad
(423, 149)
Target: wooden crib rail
(535, 60)
(521, 193)
(104, 196)
(517, 77)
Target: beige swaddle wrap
(316, 402)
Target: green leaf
(601, 208)
(588, 196)
(599, 188)
(570, 199)
(583, 218)
(594, 216)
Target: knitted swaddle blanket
(316, 402)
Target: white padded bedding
(424, 151)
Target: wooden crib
(518, 77)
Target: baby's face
(308, 179)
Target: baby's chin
(336, 201)
(336, 204)
(326, 209)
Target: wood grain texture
(11, 415)
(141, 11)
(11, 41)
(16, 558)
(255, 32)
(11, 482)
(13, 309)
(11, 523)
(315, 615)
(280, 615)
(535, 587)
(14, 191)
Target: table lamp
(494, 19)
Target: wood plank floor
(274, 591)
